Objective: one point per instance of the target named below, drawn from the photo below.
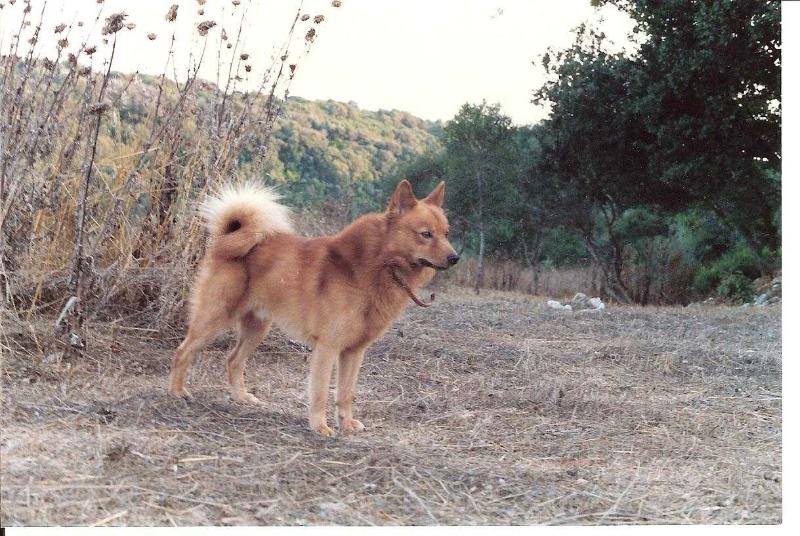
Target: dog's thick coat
(336, 293)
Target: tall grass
(96, 215)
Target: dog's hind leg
(204, 327)
(346, 378)
(195, 340)
(319, 380)
(252, 330)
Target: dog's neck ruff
(403, 285)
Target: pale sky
(426, 57)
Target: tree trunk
(481, 233)
(614, 286)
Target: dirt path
(490, 410)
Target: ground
(479, 410)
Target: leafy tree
(694, 112)
(481, 168)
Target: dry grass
(512, 275)
(480, 410)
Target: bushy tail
(239, 217)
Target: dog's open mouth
(429, 264)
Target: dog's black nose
(452, 259)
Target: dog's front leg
(347, 376)
(319, 379)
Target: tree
(480, 168)
(694, 111)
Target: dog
(338, 293)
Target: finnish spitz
(338, 294)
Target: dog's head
(418, 229)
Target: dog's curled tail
(240, 217)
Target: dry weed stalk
(95, 208)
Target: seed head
(99, 107)
(114, 23)
(172, 14)
(60, 28)
(319, 18)
(205, 26)
(151, 36)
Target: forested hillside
(321, 154)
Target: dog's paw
(247, 398)
(181, 393)
(351, 426)
(324, 430)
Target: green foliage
(330, 150)
(729, 268)
(668, 126)
(562, 247)
(736, 287)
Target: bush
(738, 262)
(736, 287)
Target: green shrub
(736, 287)
(737, 260)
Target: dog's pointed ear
(402, 199)
(436, 197)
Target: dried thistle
(248, 68)
(48, 64)
(205, 26)
(60, 28)
(310, 35)
(172, 14)
(90, 50)
(236, 2)
(336, 3)
(32, 40)
(228, 45)
(63, 43)
(319, 18)
(151, 36)
(114, 23)
(85, 71)
(72, 59)
(100, 107)
(244, 56)
(292, 68)
(130, 25)
(201, 12)
(305, 17)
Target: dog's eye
(426, 234)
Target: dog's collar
(403, 285)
